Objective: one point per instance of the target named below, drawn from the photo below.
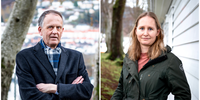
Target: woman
(150, 71)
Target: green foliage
(113, 58)
(110, 73)
(103, 98)
(110, 91)
(119, 62)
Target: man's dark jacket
(33, 67)
(155, 81)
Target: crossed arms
(35, 82)
(52, 88)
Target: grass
(110, 73)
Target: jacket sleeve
(177, 80)
(118, 94)
(27, 84)
(77, 91)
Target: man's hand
(78, 80)
(52, 88)
(47, 88)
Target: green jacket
(155, 80)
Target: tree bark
(116, 31)
(106, 21)
(13, 38)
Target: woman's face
(146, 31)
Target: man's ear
(39, 30)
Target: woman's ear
(158, 32)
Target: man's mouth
(53, 37)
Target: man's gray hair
(41, 19)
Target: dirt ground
(110, 74)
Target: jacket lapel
(132, 69)
(160, 58)
(40, 55)
(62, 64)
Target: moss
(116, 4)
(2, 63)
(109, 92)
(103, 98)
(97, 89)
(6, 77)
(110, 73)
(119, 62)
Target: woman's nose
(145, 32)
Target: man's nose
(54, 30)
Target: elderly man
(48, 71)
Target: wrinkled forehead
(53, 14)
(53, 18)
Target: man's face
(51, 30)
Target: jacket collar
(40, 55)
(132, 66)
(156, 60)
(62, 63)
(43, 45)
(160, 58)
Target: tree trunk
(13, 38)
(108, 34)
(116, 31)
(106, 21)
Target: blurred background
(180, 22)
(81, 32)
